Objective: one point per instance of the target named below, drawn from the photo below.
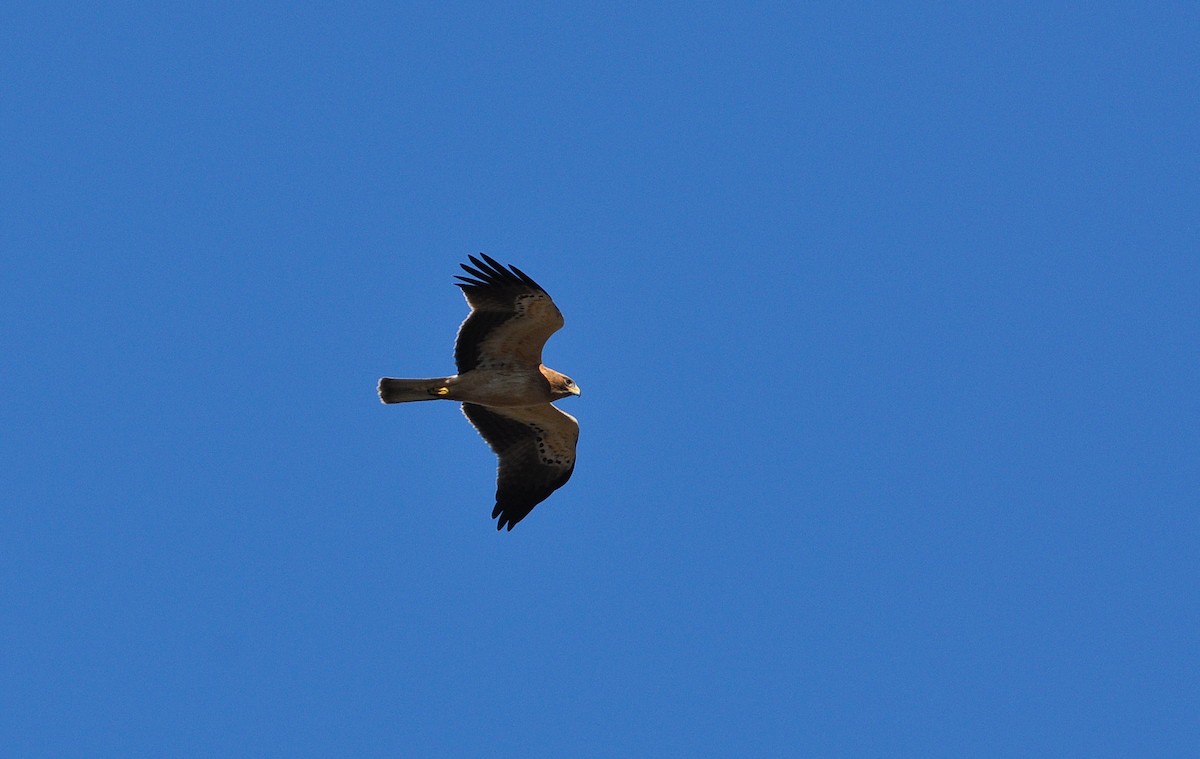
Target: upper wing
(536, 447)
(511, 317)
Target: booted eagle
(505, 390)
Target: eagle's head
(560, 384)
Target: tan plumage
(505, 389)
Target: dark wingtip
(504, 519)
(525, 277)
(496, 265)
(488, 271)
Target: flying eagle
(505, 390)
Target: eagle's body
(505, 389)
(487, 387)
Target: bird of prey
(505, 390)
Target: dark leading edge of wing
(522, 481)
(492, 291)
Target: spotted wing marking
(548, 452)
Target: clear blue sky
(886, 317)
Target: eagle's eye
(570, 382)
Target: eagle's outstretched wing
(511, 318)
(536, 447)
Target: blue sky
(886, 318)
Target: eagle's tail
(393, 390)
